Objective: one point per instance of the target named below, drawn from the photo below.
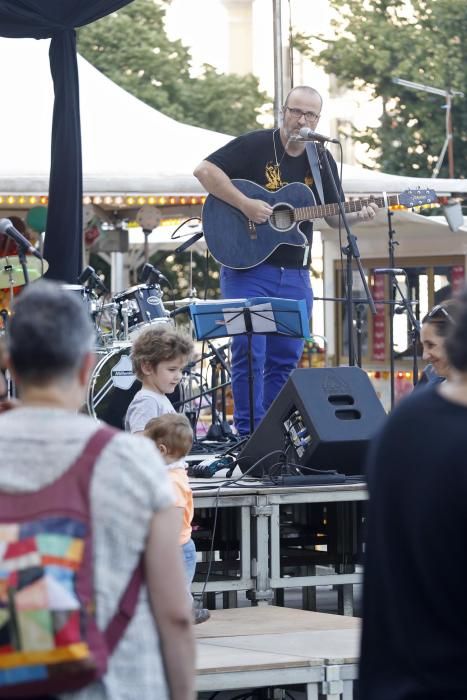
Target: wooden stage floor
(259, 647)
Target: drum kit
(113, 383)
(117, 323)
(118, 319)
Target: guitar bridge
(252, 230)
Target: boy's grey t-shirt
(146, 404)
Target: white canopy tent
(128, 147)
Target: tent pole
(278, 68)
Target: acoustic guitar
(236, 242)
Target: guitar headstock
(416, 197)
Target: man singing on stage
(271, 158)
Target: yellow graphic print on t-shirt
(274, 179)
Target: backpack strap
(126, 608)
(127, 603)
(85, 462)
(312, 154)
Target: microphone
(161, 277)
(181, 248)
(8, 229)
(389, 271)
(90, 273)
(309, 135)
(150, 275)
(181, 310)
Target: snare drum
(142, 305)
(113, 385)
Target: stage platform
(273, 647)
(268, 539)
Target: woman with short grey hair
(50, 355)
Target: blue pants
(189, 560)
(274, 357)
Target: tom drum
(141, 304)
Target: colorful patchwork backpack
(49, 640)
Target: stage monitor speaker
(321, 418)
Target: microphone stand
(391, 245)
(414, 329)
(22, 259)
(351, 252)
(359, 308)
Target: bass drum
(113, 385)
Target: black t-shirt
(259, 156)
(414, 637)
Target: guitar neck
(323, 210)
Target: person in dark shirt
(271, 158)
(414, 637)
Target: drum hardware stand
(11, 283)
(113, 308)
(10, 385)
(222, 373)
(125, 311)
(215, 431)
(220, 428)
(190, 410)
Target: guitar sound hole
(282, 218)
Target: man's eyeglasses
(440, 311)
(297, 113)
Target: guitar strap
(312, 154)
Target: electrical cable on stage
(216, 508)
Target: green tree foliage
(204, 274)
(227, 103)
(131, 48)
(419, 40)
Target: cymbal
(189, 300)
(184, 302)
(11, 272)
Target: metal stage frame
(249, 536)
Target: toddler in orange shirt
(173, 436)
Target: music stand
(262, 315)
